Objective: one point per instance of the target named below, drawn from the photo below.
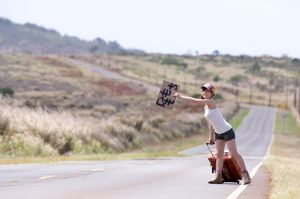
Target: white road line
(45, 177)
(241, 188)
(97, 169)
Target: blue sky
(253, 27)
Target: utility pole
(250, 95)
(196, 62)
(284, 116)
(156, 70)
(286, 94)
(184, 79)
(237, 92)
(297, 99)
(270, 90)
(298, 102)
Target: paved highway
(176, 178)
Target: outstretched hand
(175, 94)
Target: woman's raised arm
(192, 99)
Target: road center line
(45, 177)
(97, 169)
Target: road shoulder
(260, 186)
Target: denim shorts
(228, 135)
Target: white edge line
(45, 177)
(235, 194)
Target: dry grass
(152, 150)
(284, 161)
(36, 135)
(28, 132)
(159, 150)
(38, 132)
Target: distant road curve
(113, 75)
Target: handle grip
(207, 144)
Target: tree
(255, 68)
(234, 80)
(100, 42)
(215, 53)
(114, 46)
(93, 49)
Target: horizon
(254, 29)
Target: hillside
(61, 108)
(34, 39)
(78, 111)
(260, 80)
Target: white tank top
(216, 119)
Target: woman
(221, 133)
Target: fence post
(296, 99)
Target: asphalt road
(175, 178)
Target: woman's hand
(211, 140)
(175, 95)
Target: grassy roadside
(284, 159)
(238, 118)
(162, 150)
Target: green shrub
(21, 145)
(138, 125)
(67, 146)
(173, 61)
(216, 78)
(4, 123)
(6, 91)
(196, 95)
(151, 131)
(93, 147)
(157, 122)
(255, 68)
(218, 96)
(237, 78)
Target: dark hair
(212, 95)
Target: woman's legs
(218, 178)
(231, 145)
(220, 145)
